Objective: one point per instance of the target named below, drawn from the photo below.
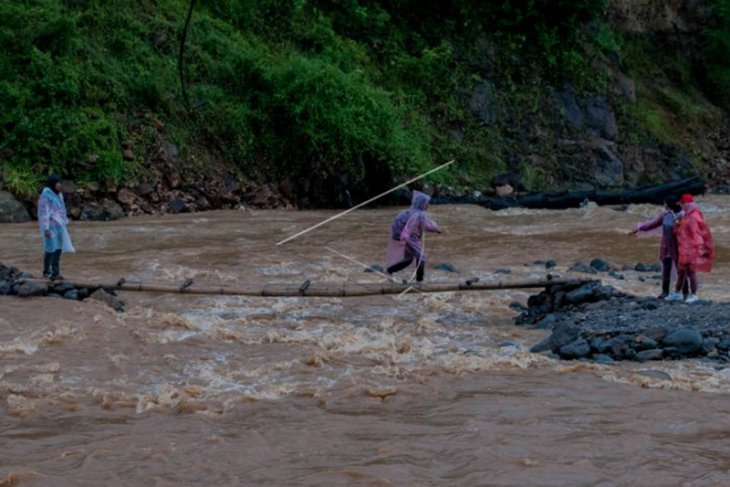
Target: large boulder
(12, 210)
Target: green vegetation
(302, 88)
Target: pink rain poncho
(696, 246)
(52, 216)
(407, 230)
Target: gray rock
(600, 265)
(83, 293)
(177, 205)
(12, 210)
(581, 267)
(29, 289)
(482, 103)
(651, 354)
(565, 102)
(575, 350)
(72, 294)
(550, 264)
(547, 322)
(616, 275)
(63, 287)
(724, 344)
(581, 295)
(107, 210)
(608, 168)
(686, 341)
(106, 298)
(600, 117)
(5, 288)
(517, 306)
(563, 334)
(644, 343)
(603, 359)
(503, 270)
(374, 268)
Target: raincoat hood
(419, 201)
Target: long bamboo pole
(322, 289)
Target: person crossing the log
(406, 236)
(696, 249)
(53, 223)
(668, 249)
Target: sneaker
(675, 296)
(692, 298)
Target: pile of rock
(14, 282)
(595, 322)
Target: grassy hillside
(316, 91)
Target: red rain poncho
(407, 229)
(696, 247)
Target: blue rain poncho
(52, 216)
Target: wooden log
(315, 289)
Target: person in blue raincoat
(53, 224)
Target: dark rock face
(108, 299)
(591, 321)
(12, 210)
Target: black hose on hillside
(181, 58)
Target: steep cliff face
(321, 103)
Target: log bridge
(314, 289)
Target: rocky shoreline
(14, 282)
(591, 321)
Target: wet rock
(642, 343)
(29, 289)
(374, 268)
(63, 287)
(503, 270)
(83, 293)
(575, 350)
(724, 344)
(106, 298)
(603, 359)
(446, 267)
(651, 354)
(72, 294)
(547, 323)
(581, 267)
(125, 196)
(600, 265)
(686, 341)
(561, 336)
(581, 295)
(551, 264)
(616, 275)
(517, 306)
(608, 168)
(12, 210)
(107, 210)
(5, 288)
(177, 206)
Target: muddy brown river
(421, 390)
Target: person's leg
(56, 264)
(681, 277)
(667, 265)
(47, 259)
(692, 278)
(420, 270)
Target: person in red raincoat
(696, 248)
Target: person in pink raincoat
(406, 235)
(696, 248)
(668, 249)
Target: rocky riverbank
(590, 321)
(14, 282)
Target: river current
(436, 389)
